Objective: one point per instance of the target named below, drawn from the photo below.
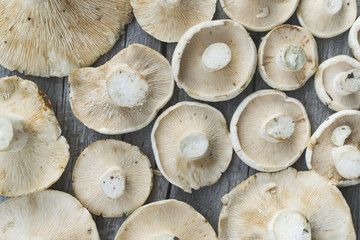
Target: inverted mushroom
(260, 15)
(214, 61)
(334, 152)
(327, 18)
(288, 57)
(33, 154)
(191, 145)
(269, 130)
(44, 215)
(337, 83)
(123, 95)
(52, 38)
(354, 37)
(166, 220)
(168, 20)
(285, 205)
(112, 178)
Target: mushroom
(191, 145)
(327, 18)
(285, 205)
(112, 177)
(167, 20)
(337, 83)
(123, 95)
(260, 15)
(214, 61)
(166, 220)
(33, 154)
(52, 38)
(288, 57)
(354, 37)
(269, 130)
(334, 152)
(48, 214)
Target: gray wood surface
(206, 200)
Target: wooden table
(206, 200)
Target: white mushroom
(337, 83)
(214, 61)
(288, 57)
(269, 131)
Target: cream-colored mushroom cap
(285, 205)
(166, 220)
(214, 61)
(33, 154)
(354, 39)
(259, 15)
(269, 130)
(191, 145)
(52, 38)
(168, 20)
(112, 178)
(327, 18)
(288, 57)
(123, 95)
(337, 83)
(49, 215)
(334, 152)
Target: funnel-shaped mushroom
(168, 20)
(112, 178)
(334, 151)
(259, 15)
(33, 154)
(354, 39)
(327, 18)
(214, 61)
(191, 145)
(337, 83)
(44, 215)
(166, 220)
(123, 95)
(52, 38)
(288, 57)
(269, 130)
(286, 205)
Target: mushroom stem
(291, 59)
(340, 134)
(216, 57)
(127, 87)
(14, 133)
(113, 182)
(166, 236)
(170, 3)
(332, 7)
(277, 128)
(194, 145)
(264, 13)
(347, 161)
(347, 83)
(289, 224)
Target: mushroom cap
(324, 80)
(318, 153)
(168, 24)
(273, 43)
(43, 159)
(249, 207)
(48, 214)
(312, 16)
(92, 105)
(166, 217)
(354, 38)
(52, 38)
(248, 119)
(223, 84)
(95, 160)
(246, 12)
(165, 138)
